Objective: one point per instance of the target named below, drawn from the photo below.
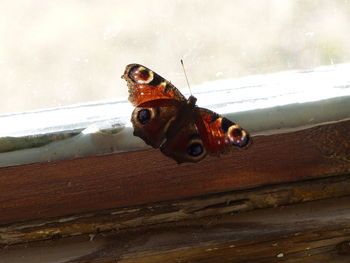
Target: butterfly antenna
(183, 67)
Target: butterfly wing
(218, 133)
(186, 145)
(151, 120)
(145, 85)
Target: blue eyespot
(195, 149)
(143, 116)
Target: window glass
(56, 53)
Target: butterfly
(165, 119)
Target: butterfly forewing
(146, 85)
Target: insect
(165, 119)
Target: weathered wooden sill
(292, 192)
(45, 190)
(305, 221)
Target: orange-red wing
(146, 85)
(218, 133)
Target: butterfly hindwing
(218, 133)
(146, 85)
(151, 120)
(186, 145)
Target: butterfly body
(165, 119)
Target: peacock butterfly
(165, 119)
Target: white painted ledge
(262, 104)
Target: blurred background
(62, 52)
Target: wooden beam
(173, 211)
(317, 231)
(44, 190)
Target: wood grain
(316, 231)
(173, 211)
(44, 190)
